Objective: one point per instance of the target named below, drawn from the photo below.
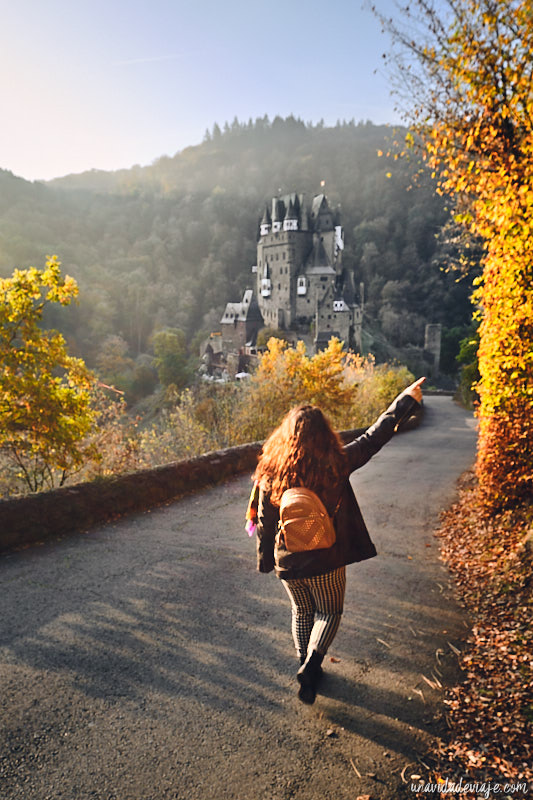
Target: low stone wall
(35, 517)
(40, 516)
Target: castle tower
(300, 275)
(281, 253)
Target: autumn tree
(287, 376)
(113, 362)
(349, 388)
(464, 81)
(45, 411)
(171, 360)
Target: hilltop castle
(301, 288)
(300, 282)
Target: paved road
(147, 660)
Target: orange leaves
(489, 712)
(506, 363)
(287, 376)
(349, 388)
(479, 145)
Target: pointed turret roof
(278, 210)
(291, 211)
(267, 219)
(320, 205)
(321, 214)
(297, 204)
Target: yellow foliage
(474, 118)
(351, 390)
(45, 411)
(348, 388)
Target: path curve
(147, 660)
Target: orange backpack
(304, 523)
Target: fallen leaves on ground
(490, 713)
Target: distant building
(241, 323)
(300, 274)
(300, 280)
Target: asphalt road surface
(148, 660)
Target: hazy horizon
(109, 86)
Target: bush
(351, 390)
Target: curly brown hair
(303, 451)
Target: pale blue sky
(107, 84)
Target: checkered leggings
(317, 604)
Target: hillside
(171, 243)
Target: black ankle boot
(309, 676)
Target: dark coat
(353, 542)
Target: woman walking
(304, 451)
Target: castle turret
(266, 222)
(290, 223)
(278, 214)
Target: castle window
(290, 225)
(301, 287)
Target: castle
(300, 282)
(301, 288)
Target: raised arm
(415, 390)
(364, 447)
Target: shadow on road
(150, 660)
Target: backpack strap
(338, 501)
(338, 504)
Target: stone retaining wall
(35, 517)
(47, 514)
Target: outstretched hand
(415, 390)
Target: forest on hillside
(166, 246)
